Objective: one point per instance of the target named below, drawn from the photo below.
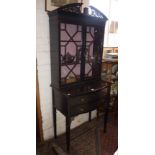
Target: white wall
(110, 9)
(44, 77)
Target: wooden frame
(57, 3)
(38, 109)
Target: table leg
(106, 109)
(89, 116)
(68, 122)
(54, 122)
(106, 118)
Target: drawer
(85, 103)
(83, 108)
(83, 99)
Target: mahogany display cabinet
(76, 48)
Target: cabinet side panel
(60, 101)
(54, 50)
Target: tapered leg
(106, 109)
(106, 117)
(116, 107)
(54, 122)
(89, 116)
(68, 122)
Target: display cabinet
(76, 48)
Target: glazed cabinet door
(80, 52)
(70, 52)
(93, 55)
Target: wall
(44, 77)
(110, 9)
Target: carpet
(108, 142)
(87, 139)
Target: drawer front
(83, 108)
(92, 97)
(85, 103)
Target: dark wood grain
(84, 93)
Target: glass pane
(89, 51)
(70, 51)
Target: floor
(87, 139)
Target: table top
(85, 89)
